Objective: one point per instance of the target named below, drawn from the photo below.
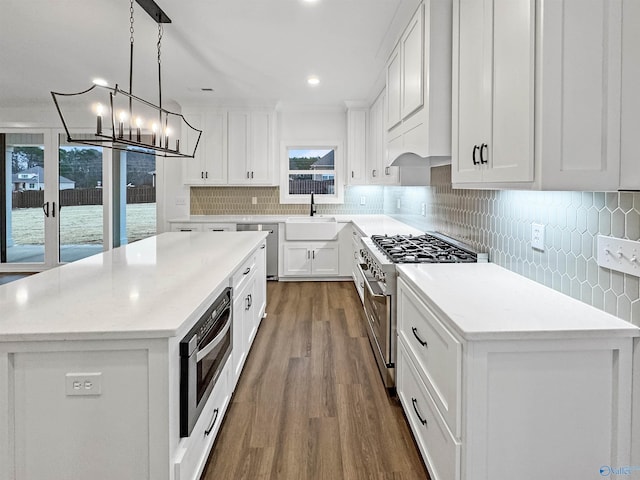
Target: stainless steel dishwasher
(272, 244)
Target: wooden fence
(299, 186)
(81, 196)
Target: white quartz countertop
(485, 301)
(147, 289)
(368, 224)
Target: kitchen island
(117, 318)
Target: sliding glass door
(80, 194)
(24, 200)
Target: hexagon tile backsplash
(499, 222)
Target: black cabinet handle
(206, 174)
(473, 155)
(247, 174)
(252, 174)
(263, 245)
(213, 422)
(202, 175)
(415, 407)
(415, 334)
(484, 147)
(246, 272)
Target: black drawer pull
(213, 422)
(415, 407)
(473, 155)
(246, 272)
(415, 334)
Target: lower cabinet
(311, 259)
(500, 407)
(192, 456)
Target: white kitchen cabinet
(499, 403)
(368, 163)
(187, 226)
(244, 324)
(209, 166)
(357, 153)
(356, 245)
(250, 148)
(630, 125)
(311, 258)
(418, 89)
(536, 94)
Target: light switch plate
(619, 254)
(83, 383)
(537, 236)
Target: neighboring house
(325, 163)
(33, 179)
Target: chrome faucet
(313, 206)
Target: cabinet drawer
(440, 451)
(192, 455)
(244, 272)
(437, 353)
(186, 227)
(218, 227)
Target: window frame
(289, 198)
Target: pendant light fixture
(122, 121)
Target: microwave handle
(214, 343)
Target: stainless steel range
(380, 255)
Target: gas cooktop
(425, 248)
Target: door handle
(53, 209)
(473, 155)
(484, 147)
(45, 209)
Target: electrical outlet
(83, 383)
(618, 254)
(363, 200)
(537, 236)
(180, 201)
(254, 200)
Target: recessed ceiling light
(313, 80)
(100, 82)
(310, 1)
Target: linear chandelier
(123, 121)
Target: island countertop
(147, 289)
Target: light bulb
(138, 122)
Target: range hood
(416, 170)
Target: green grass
(80, 225)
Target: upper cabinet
(630, 153)
(209, 166)
(418, 93)
(251, 143)
(536, 99)
(236, 148)
(367, 156)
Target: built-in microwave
(203, 354)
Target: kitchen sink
(311, 228)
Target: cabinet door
(412, 77)
(356, 146)
(471, 89)
(215, 149)
(261, 162)
(260, 290)
(325, 260)
(238, 146)
(509, 149)
(296, 259)
(240, 332)
(394, 89)
(630, 154)
(193, 168)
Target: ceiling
(248, 51)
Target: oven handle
(214, 343)
(366, 282)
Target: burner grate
(421, 249)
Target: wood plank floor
(310, 403)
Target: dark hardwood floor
(310, 403)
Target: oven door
(203, 355)
(377, 309)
